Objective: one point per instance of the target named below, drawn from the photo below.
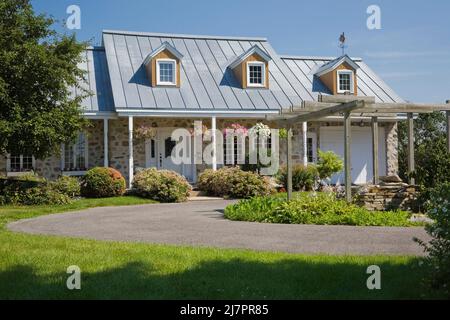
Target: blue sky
(411, 51)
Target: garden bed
(313, 208)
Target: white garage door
(332, 138)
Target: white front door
(159, 154)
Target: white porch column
(105, 143)
(214, 143)
(130, 152)
(305, 143)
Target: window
(345, 81)
(19, 163)
(311, 145)
(256, 72)
(75, 156)
(166, 71)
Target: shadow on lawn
(232, 279)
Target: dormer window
(163, 65)
(166, 71)
(345, 81)
(256, 71)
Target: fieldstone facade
(118, 143)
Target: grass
(313, 208)
(33, 267)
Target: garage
(332, 138)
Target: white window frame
(10, 173)
(75, 154)
(352, 81)
(263, 74)
(166, 83)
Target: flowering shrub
(261, 130)
(161, 185)
(234, 183)
(438, 249)
(235, 128)
(103, 182)
(328, 164)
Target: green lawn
(35, 267)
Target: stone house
(167, 81)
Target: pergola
(347, 106)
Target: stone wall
(388, 196)
(391, 148)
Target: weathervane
(342, 44)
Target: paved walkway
(201, 223)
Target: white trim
(164, 83)
(86, 154)
(331, 65)
(352, 81)
(100, 115)
(258, 114)
(162, 47)
(255, 49)
(263, 74)
(74, 173)
(130, 152)
(305, 143)
(214, 143)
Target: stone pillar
(391, 148)
(214, 143)
(305, 143)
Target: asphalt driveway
(201, 223)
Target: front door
(159, 154)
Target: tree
(431, 155)
(38, 67)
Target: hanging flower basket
(145, 133)
(238, 128)
(260, 129)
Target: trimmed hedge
(312, 208)
(234, 183)
(161, 185)
(101, 182)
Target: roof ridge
(324, 58)
(184, 36)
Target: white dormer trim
(332, 65)
(352, 81)
(255, 49)
(158, 76)
(263, 74)
(164, 46)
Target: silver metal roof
(207, 82)
(97, 81)
(369, 84)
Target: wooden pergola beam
(314, 115)
(375, 147)
(344, 98)
(347, 156)
(411, 163)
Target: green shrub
(303, 178)
(67, 185)
(312, 208)
(438, 249)
(30, 190)
(103, 182)
(234, 183)
(161, 185)
(328, 164)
